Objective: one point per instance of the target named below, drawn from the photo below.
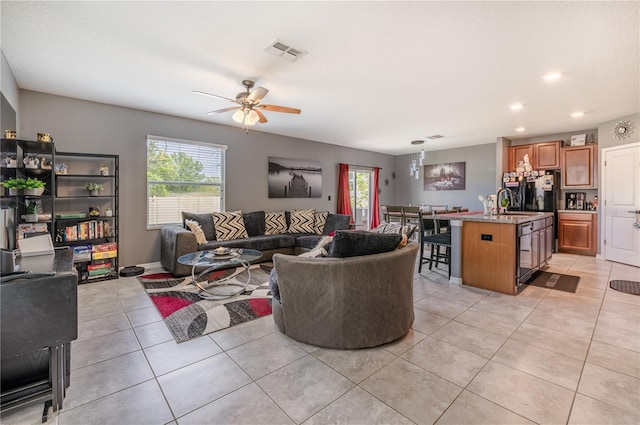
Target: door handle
(634, 212)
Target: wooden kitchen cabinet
(579, 169)
(517, 153)
(489, 264)
(577, 233)
(547, 155)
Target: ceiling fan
(248, 112)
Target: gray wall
(8, 84)
(605, 133)
(88, 127)
(480, 177)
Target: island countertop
(512, 217)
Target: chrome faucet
(504, 193)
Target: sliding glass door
(360, 184)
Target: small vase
(13, 192)
(34, 192)
(94, 193)
(31, 218)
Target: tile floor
(473, 357)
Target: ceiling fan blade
(257, 95)
(276, 108)
(213, 95)
(263, 119)
(231, 108)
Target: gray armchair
(346, 303)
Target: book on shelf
(99, 269)
(99, 265)
(104, 254)
(82, 253)
(93, 229)
(103, 247)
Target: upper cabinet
(579, 170)
(517, 153)
(542, 156)
(547, 155)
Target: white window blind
(183, 175)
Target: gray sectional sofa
(176, 240)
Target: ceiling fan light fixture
(238, 116)
(252, 117)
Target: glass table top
(211, 257)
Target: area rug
(628, 286)
(561, 282)
(188, 316)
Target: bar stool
(435, 241)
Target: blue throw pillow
(354, 243)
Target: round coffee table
(208, 261)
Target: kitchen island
(498, 252)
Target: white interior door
(620, 203)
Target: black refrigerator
(535, 193)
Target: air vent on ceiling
(284, 51)
(435, 136)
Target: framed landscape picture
(447, 176)
(294, 178)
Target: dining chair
(439, 208)
(411, 215)
(394, 214)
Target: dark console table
(39, 319)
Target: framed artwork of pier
(447, 176)
(294, 178)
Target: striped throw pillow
(302, 221)
(385, 227)
(229, 226)
(321, 220)
(275, 223)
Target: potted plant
(13, 184)
(31, 211)
(94, 188)
(33, 186)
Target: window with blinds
(183, 175)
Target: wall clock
(622, 130)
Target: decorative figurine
(61, 168)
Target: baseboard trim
(146, 265)
(455, 280)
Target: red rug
(188, 316)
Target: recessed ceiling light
(520, 129)
(417, 142)
(516, 106)
(577, 114)
(552, 76)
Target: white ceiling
(377, 75)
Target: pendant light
(417, 161)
